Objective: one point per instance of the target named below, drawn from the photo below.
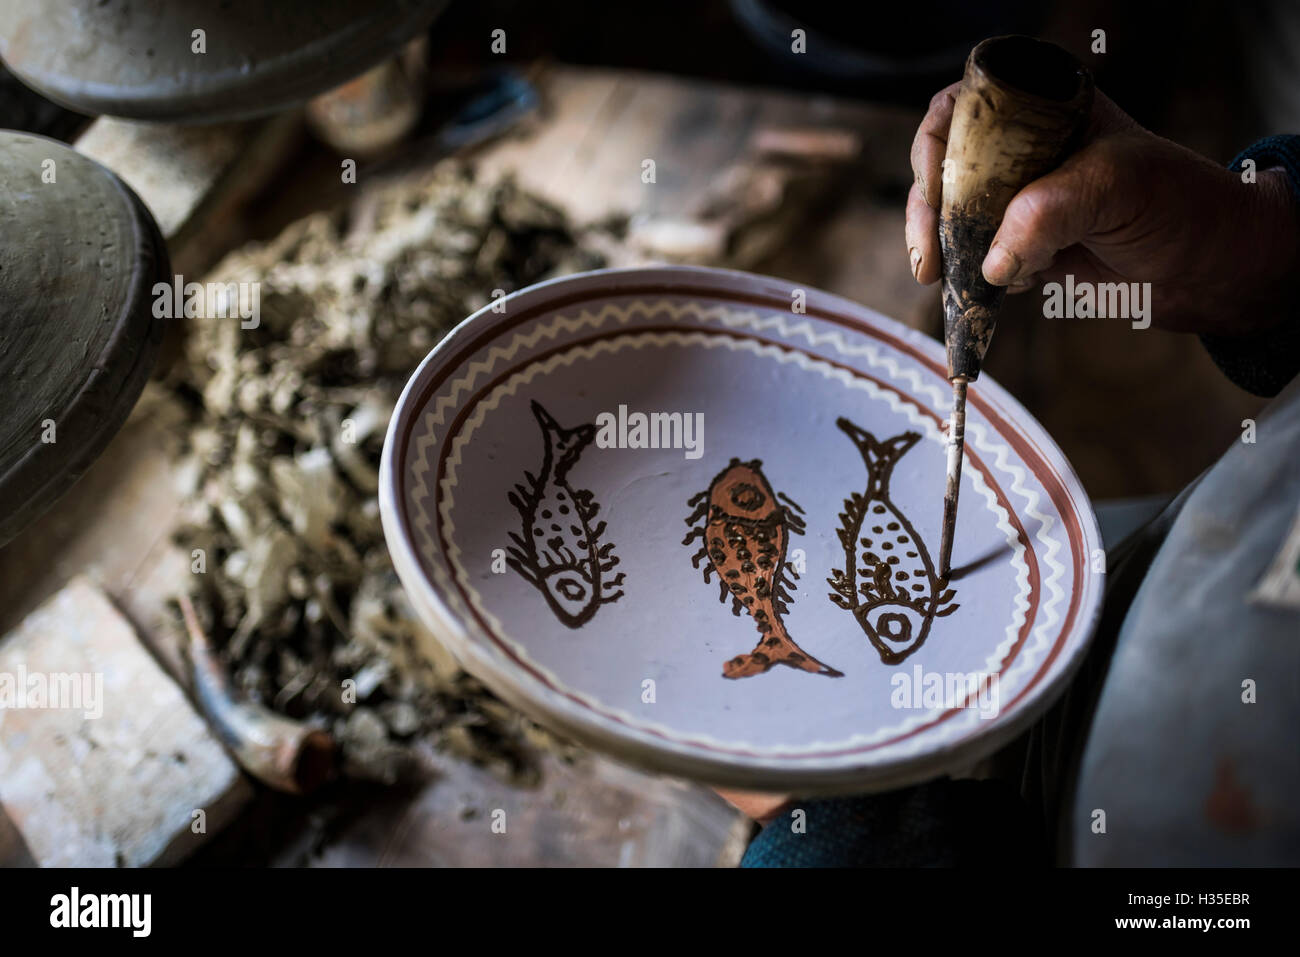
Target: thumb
(1050, 214)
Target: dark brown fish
(744, 531)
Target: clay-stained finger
(922, 235)
(931, 143)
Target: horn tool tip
(956, 450)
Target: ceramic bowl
(690, 517)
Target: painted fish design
(744, 531)
(893, 591)
(558, 551)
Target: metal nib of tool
(956, 451)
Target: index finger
(754, 804)
(931, 143)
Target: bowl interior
(693, 527)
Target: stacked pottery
(78, 334)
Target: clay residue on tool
(744, 529)
(971, 303)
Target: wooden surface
(115, 780)
(593, 814)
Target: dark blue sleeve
(942, 823)
(1265, 362)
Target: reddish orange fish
(744, 530)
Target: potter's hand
(763, 808)
(1129, 206)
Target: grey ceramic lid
(137, 59)
(78, 337)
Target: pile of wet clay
(280, 469)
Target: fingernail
(925, 193)
(914, 254)
(1001, 265)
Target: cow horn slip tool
(289, 756)
(1022, 108)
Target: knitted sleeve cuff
(1265, 362)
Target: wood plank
(599, 125)
(111, 770)
(593, 814)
